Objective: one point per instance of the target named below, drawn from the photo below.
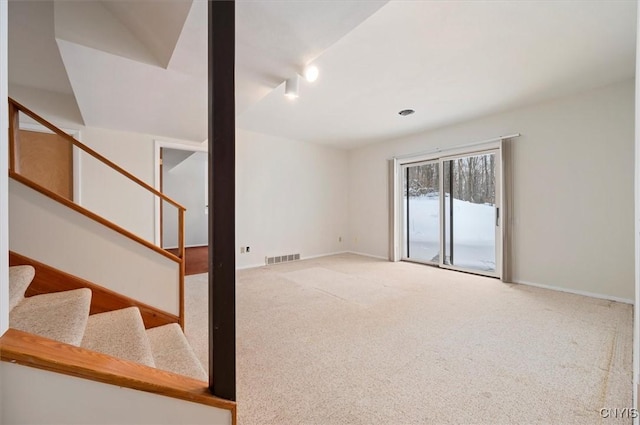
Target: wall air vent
(281, 259)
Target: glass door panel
(422, 206)
(470, 212)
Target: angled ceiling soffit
(158, 25)
(91, 24)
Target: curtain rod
(466, 145)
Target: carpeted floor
(353, 340)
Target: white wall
(4, 212)
(573, 184)
(185, 183)
(636, 309)
(59, 108)
(103, 190)
(291, 197)
(109, 193)
(36, 396)
(53, 234)
(4, 209)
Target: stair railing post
(182, 255)
(14, 135)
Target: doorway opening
(181, 174)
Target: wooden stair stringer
(49, 279)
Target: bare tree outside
(473, 176)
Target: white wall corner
(636, 319)
(291, 197)
(394, 212)
(4, 187)
(157, 146)
(4, 128)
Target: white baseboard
(310, 257)
(347, 252)
(576, 291)
(367, 255)
(250, 266)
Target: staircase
(96, 312)
(64, 317)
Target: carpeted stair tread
(20, 278)
(119, 333)
(61, 316)
(172, 352)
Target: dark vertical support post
(407, 216)
(451, 212)
(222, 304)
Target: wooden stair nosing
(43, 353)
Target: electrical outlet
(248, 248)
(339, 238)
(241, 250)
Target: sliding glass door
(451, 206)
(422, 207)
(471, 214)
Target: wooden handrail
(46, 354)
(96, 155)
(93, 216)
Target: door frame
(403, 216)
(498, 235)
(441, 155)
(158, 145)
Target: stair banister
(14, 126)
(17, 107)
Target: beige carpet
(353, 340)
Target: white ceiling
(275, 39)
(141, 66)
(32, 44)
(451, 61)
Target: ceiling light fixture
(311, 73)
(291, 88)
(406, 112)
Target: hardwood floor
(197, 259)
